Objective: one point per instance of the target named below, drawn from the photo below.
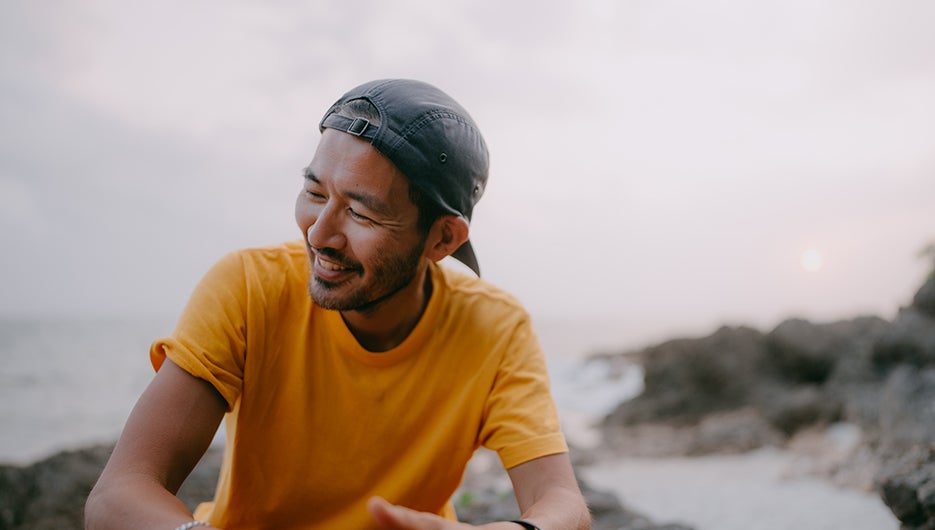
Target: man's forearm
(134, 502)
(559, 508)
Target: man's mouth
(329, 265)
(331, 270)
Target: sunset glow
(811, 260)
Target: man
(357, 375)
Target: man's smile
(330, 268)
(330, 265)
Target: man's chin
(326, 294)
(327, 302)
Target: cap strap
(357, 126)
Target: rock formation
(50, 494)
(735, 390)
(738, 389)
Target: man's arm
(548, 494)
(546, 491)
(168, 431)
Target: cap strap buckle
(358, 126)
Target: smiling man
(357, 376)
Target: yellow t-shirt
(317, 424)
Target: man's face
(359, 225)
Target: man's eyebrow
(307, 173)
(370, 201)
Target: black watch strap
(525, 524)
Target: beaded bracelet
(525, 524)
(191, 524)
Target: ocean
(70, 383)
(66, 384)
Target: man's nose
(326, 231)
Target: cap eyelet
(443, 158)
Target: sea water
(69, 383)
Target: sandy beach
(752, 491)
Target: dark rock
(737, 389)
(479, 506)
(732, 432)
(906, 485)
(686, 379)
(856, 383)
(907, 410)
(689, 380)
(810, 353)
(909, 339)
(901, 498)
(926, 495)
(924, 299)
(804, 351)
(485, 495)
(609, 514)
(793, 409)
(50, 494)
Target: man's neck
(387, 325)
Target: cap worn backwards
(429, 137)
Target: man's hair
(429, 211)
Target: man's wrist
(525, 524)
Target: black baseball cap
(430, 138)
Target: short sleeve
(209, 340)
(521, 421)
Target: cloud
(18, 205)
(659, 146)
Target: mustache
(335, 256)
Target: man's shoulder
(266, 262)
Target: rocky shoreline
(50, 494)
(739, 389)
(733, 391)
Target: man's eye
(357, 216)
(314, 194)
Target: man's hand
(393, 517)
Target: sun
(811, 260)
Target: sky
(657, 166)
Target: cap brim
(465, 254)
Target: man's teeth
(329, 265)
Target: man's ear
(447, 234)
